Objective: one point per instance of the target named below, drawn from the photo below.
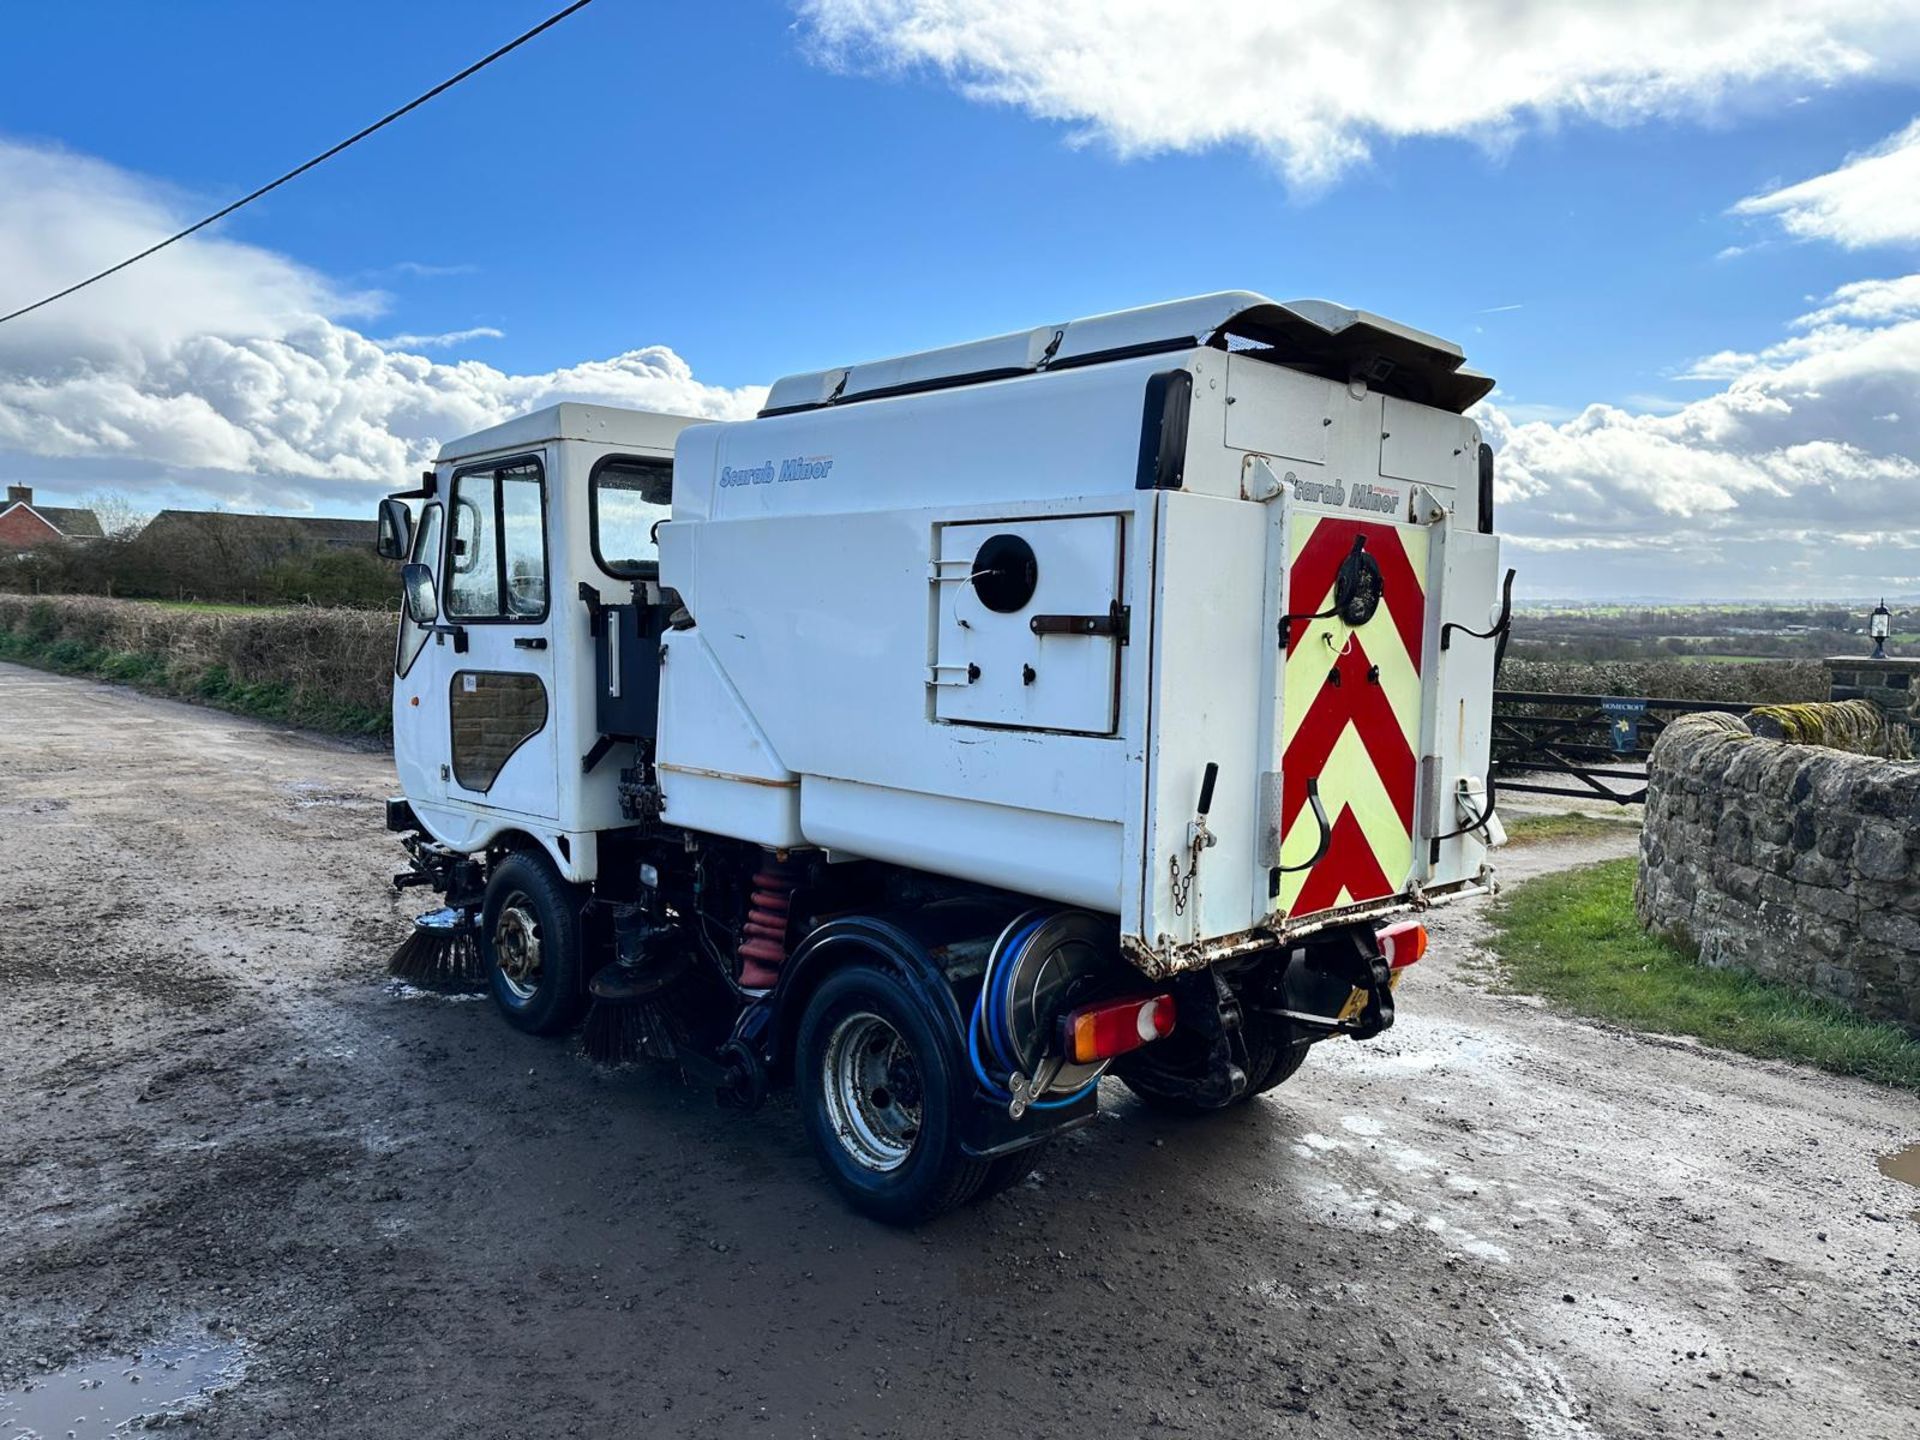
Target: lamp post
(1878, 625)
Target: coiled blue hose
(990, 1013)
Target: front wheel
(877, 1091)
(530, 935)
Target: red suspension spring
(763, 940)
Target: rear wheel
(530, 934)
(1289, 1054)
(1006, 1171)
(1174, 1075)
(877, 1095)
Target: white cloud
(231, 366)
(443, 340)
(1315, 83)
(1874, 301)
(1775, 484)
(1872, 199)
(422, 270)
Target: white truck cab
(493, 700)
(1094, 699)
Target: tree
(119, 516)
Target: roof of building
(68, 520)
(71, 520)
(1313, 335)
(317, 529)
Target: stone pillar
(1892, 684)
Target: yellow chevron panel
(1350, 779)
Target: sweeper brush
(618, 1032)
(626, 1023)
(443, 951)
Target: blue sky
(762, 188)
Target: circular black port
(1005, 573)
(1357, 588)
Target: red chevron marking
(1366, 707)
(1349, 865)
(1319, 564)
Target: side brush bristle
(443, 950)
(621, 1032)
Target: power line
(381, 123)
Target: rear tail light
(1403, 944)
(1113, 1027)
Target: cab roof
(1317, 336)
(601, 424)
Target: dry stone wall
(1798, 862)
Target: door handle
(1326, 833)
(1117, 623)
(529, 642)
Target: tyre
(878, 1092)
(1289, 1054)
(1171, 1075)
(530, 938)
(1006, 1171)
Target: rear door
(1459, 729)
(496, 596)
(1352, 713)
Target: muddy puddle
(117, 1395)
(1904, 1166)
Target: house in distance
(27, 526)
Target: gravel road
(238, 1172)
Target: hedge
(326, 669)
(1768, 683)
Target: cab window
(426, 551)
(497, 564)
(628, 497)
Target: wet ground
(226, 1146)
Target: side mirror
(394, 539)
(416, 590)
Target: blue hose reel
(1032, 970)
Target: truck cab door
(419, 680)
(495, 648)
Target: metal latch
(1116, 623)
(944, 674)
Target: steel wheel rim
(871, 1080)
(516, 947)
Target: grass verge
(211, 685)
(1572, 938)
(1568, 825)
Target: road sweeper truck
(1103, 699)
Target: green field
(1572, 938)
(1568, 825)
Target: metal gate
(1592, 747)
